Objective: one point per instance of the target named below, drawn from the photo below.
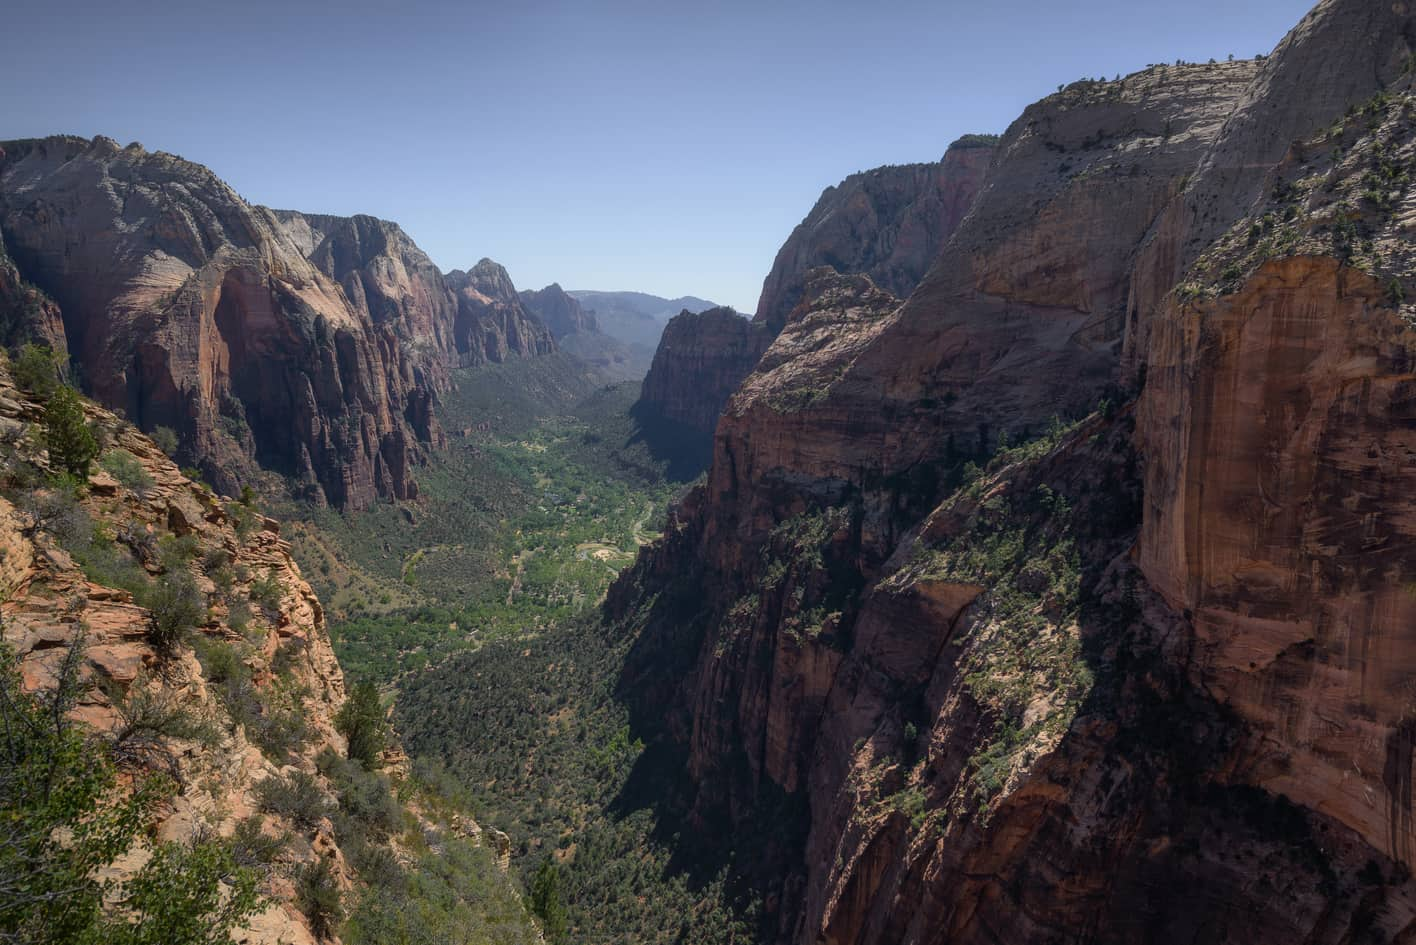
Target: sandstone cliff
(559, 312)
(701, 359)
(888, 223)
(311, 345)
(203, 655)
(188, 308)
(67, 578)
(492, 323)
(1142, 678)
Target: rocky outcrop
(559, 312)
(1141, 678)
(26, 313)
(492, 324)
(312, 345)
(259, 611)
(888, 223)
(1277, 420)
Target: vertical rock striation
(1142, 678)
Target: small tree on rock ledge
(71, 443)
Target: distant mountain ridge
(636, 317)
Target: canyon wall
(1133, 674)
(311, 345)
(888, 223)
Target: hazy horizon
(631, 147)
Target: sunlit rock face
(311, 345)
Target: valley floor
(476, 610)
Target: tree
(63, 819)
(546, 900)
(71, 443)
(361, 720)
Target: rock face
(701, 359)
(559, 312)
(260, 609)
(312, 345)
(1142, 678)
(492, 324)
(888, 223)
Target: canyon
(1037, 564)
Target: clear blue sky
(662, 146)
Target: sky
(664, 147)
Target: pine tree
(71, 443)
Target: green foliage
(267, 594)
(166, 439)
(317, 895)
(1396, 292)
(361, 720)
(296, 796)
(37, 371)
(545, 900)
(124, 466)
(532, 732)
(72, 446)
(252, 847)
(176, 607)
(187, 894)
(62, 822)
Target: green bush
(297, 797)
(545, 900)
(37, 371)
(317, 895)
(72, 446)
(124, 466)
(63, 823)
(176, 608)
(166, 440)
(268, 594)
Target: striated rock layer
(888, 223)
(1143, 677)
(311, 345)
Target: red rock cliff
(1143, 678)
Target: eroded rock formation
(312, 345)
(888, 223)
(1143, 677)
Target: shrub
(252, 846)
(176, 608)
(267, 594)
(362, 721)
(124, 466)
(317, 894)
(64, 824)
(546, 900)
(297, 797)
(36, 371)
(166, 440)
(71, 443)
